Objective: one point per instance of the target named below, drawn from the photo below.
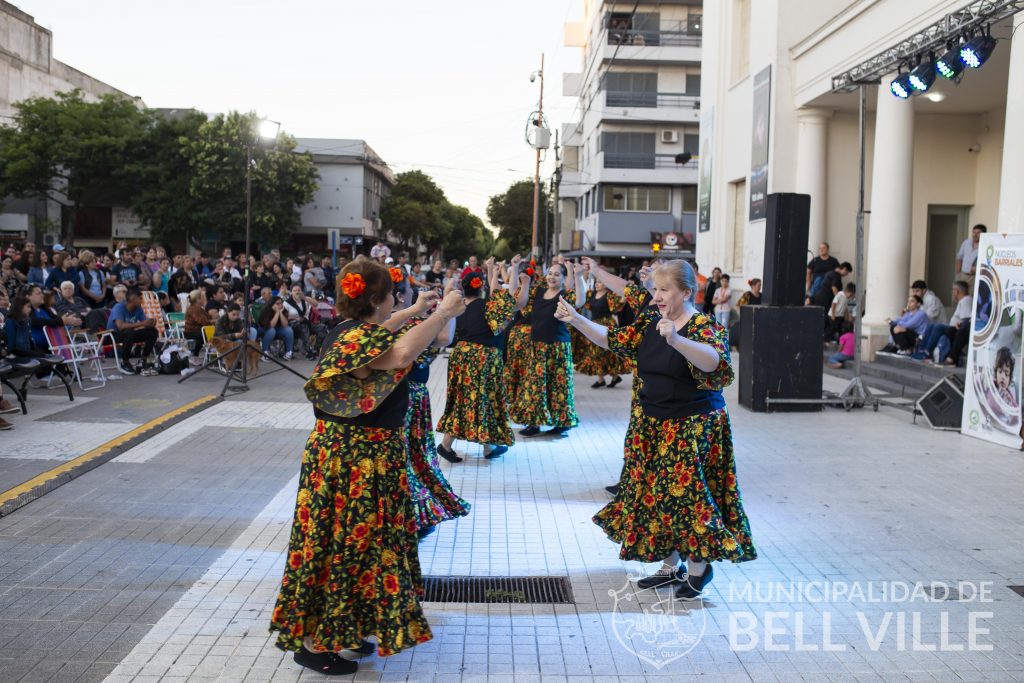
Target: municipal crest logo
(655, 626)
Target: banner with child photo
(992, 399)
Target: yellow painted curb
(39, 480)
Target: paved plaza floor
(163, 563)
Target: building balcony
(646, 161)
(657, 107)
(611, 229)
(650, 169)
(650, 47)
(570, 184)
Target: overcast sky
(442, 86)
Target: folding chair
(176, 326)
(209, 351)
(75, 354)
(151, 307)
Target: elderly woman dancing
(679, 494)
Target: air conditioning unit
(669, 136)
(50, 239)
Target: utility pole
(539, 123)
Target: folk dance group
(370, 485)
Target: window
(637, 198)
(689, 198)
(628, 150)
(691, 144)
(631, 89)
(693, 84)
(625, 28)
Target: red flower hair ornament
(397, 275)
(475, 283)
(353, 285)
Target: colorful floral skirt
(352, 568)
(432, 495)
(546, 396)
(518, 357)
(475, 408)
(678, 491)
(591, 359)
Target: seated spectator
(908, 328)
(18, 328)
(820, 266)
(299, 309)
(946, 342)
(230, 325)
(215, 302)
(839, 311)
(932, 305)
(130, 328)
(314, 280)
(44, 315)
(273, 323)
(60, 272)
(92, 282)
(68, 302)
(257, 306)
(40, 268)
(196, 318)
(846, 347)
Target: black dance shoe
(663, 577)
(496, 452)
(532, 430)
(327, 663)
(615, 380)
(558, 431)
(598, 384)
(367, 648)
(613, 489)
(693, 586)
(447, 453)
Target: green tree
(417, 211)
(512, 213)
(282, 181)
(162, 196)
(70, 151)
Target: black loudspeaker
(780, 356)
(943, 405)
(785, 249)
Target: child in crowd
(846, 347)
(839, 311)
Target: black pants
(961, 337)
(197, 341)
(139, 335)
(904, 340)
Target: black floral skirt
(518, 357)
(547, 395)
(678, 492)
(475, 408)
(432, 495)
(352, 568)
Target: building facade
(353, 183)
(936, 164)
(628, 173)
(28, 69)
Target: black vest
(544, 326)
(599, 308)
(472, 326)
(669, 390)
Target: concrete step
(899, 380)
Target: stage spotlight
(977, 50)
(901, 87)
(950, 65)
(923, 75)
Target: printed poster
(759, 144)
(992, 399)
(707, 125)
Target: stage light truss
(973, 16)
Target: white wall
(338, 203)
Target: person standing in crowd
(472, 266)
(352, 569)
(58, 273)
(475, 408)
(131, 328)
(126, 272)
(818, 267)
(839, 311)
(967, 257)
(679, 493)
(380, 251)
(602, 307)
(435, 276)
(908, 328)
(931, 304)
(751, 297)
(830, 283)
(709, 292)
(722, 301)
(547, 396)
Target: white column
(1011, 197)
(888, 249)
(811, 169)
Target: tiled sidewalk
(853, 499)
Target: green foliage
(282, 181)
(512, 213)
(70, 150)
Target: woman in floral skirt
(352, 569)
(602, 306)
(679, 494)
(547, 396)
(475, 410)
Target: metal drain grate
(520, 589)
